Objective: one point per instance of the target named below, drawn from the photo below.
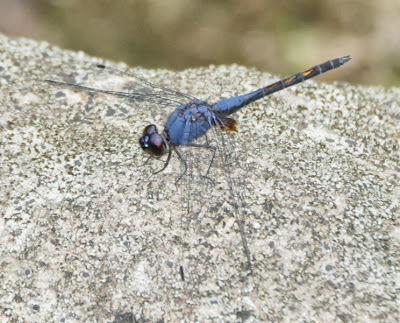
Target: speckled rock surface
(87, 234)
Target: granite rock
(89, 234)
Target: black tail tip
(344, 59)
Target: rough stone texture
(87, 234)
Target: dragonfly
(192, 117)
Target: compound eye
(149, 130)
(152, 142)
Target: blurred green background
(280, 37)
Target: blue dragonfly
(192, 117)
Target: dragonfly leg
(183, 162)
(166, 162)
(147, 160)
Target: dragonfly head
(152, 142)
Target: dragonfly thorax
(189, 122)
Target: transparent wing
(112, 81)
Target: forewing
(112, 81)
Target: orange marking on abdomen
(271, 86)
(289, 79)
(308, 72)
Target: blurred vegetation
(281, 37)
